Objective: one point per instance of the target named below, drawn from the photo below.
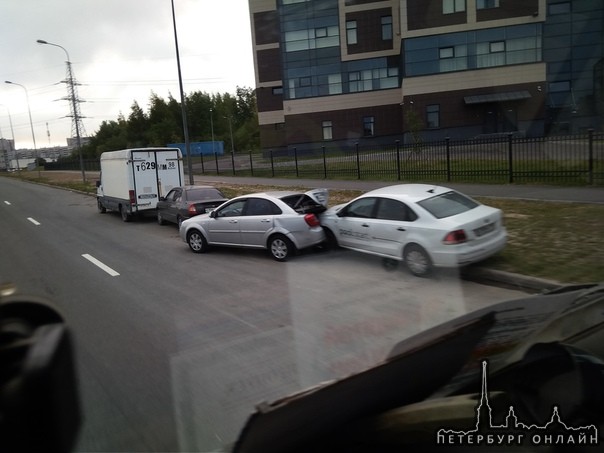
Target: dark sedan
(182, 203)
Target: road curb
(509, 280)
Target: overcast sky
(121, 51)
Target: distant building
(335, 72)
(72, 142)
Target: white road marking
(101, 265)
(7, 202)
(34, 221)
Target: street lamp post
(212, 128)
(72, 97)
(183, 107)
(31, 123)
(232, 143)
(231, 131)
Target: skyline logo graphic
(513, 431)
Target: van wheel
(417, 260)
(124, 213)
(100, 207)
(280, 247)
(197, 243)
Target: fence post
(272, 164)
(233, 161)
(296, 160)
(448, 150)
(203, 170)
(251, 164)
(398, 160)
(510, 160)
(324, 163)
(216, 160)
(358, 161)
(591, 156)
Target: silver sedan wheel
(280, 247)
(197, 243)
(417, 261)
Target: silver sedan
(422, 225)
(281, 222)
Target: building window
(433, 116)
(387, 28)
(446, 52)
(559, 8)
(517, 44)
(351, 32)
(360, 81)
(277, 91)
(335, 83)
(490, 54)
(327, 130)
(497, 46)
(558, 87)
(453, 6)
(314, 38)
(487, 4)
(453, 58)
(368, 126)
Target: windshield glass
(204, 194)
(448, 204)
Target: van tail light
(455, 237)
(192, 210)
(311, 220)
(132, 197)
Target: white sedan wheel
(417, 261)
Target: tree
(162, 123)
(136, 127)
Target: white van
(133, 180)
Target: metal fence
(562, 160)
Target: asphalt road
(175, 349)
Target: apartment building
(340, 72)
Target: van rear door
(155, 173)
(169, 170)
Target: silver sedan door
(257, 221)
(223, 227)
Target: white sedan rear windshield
(447, 204)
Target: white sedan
(422, 225)
(279, 221)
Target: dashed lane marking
(101, 265)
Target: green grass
(558, 241)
